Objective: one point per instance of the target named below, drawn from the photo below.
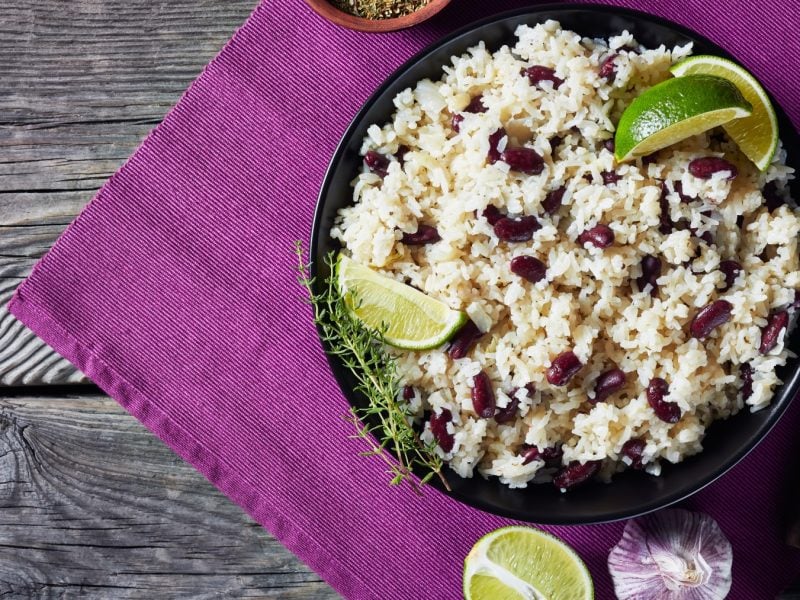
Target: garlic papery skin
(673, 554)
(683, 572)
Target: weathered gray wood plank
(91, 504)
(94, 506)
(82, 83)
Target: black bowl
(631, 493)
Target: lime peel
(524, 562)
(404, 317)
(674, 110)
(756, 134)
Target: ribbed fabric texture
(175, 291)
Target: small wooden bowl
(328, 11)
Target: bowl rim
(328, 11)
(788, 389)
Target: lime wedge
(756, 135)
(412, 320)
(520, 563)
(674, 110)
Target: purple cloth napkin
(175, 291)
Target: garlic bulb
(673, 554)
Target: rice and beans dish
(616, 309)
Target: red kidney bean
(538, 73)
(464, 340)
(633, 449)
(668, 412)
(776, 323)
(772, 199)
(710, 317)
(607, 383)
(666, 226)
(492, 214)
(494, 140)
(408, 392)
(455, 122)
(439, 429)
(610, 177)
(705, 167)
(609, 145)
(476, 105)
(516, 230)
(529, 454)
(600, 236)
(376, 162)
(425, 234)
(508, 412)
(746, 375)
(575, 474)
(552, 201)
(649, 159)
(528, 267)
(563, 368)
(550, 455)
(483, 400)
(731, 269)
(524, 160)
(608, 68)
(651, 271)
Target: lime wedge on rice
(412, 320)
(523, 563)
(756, 135)
(674, 110)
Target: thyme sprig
(385, 422)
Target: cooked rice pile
(589, 302)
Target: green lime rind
(757, 134)
(674, 110)
(522, 562)
(405, 317)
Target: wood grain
(94, 506)
(91, 504)
(24, 358)
(82, 83)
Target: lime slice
(674, 110)
(412, 320)
(521, 563)
(756, 135)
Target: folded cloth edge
(223, 476)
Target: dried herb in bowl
(379, 9)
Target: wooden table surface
(91, 504)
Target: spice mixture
(379, 9)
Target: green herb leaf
(362, 351)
